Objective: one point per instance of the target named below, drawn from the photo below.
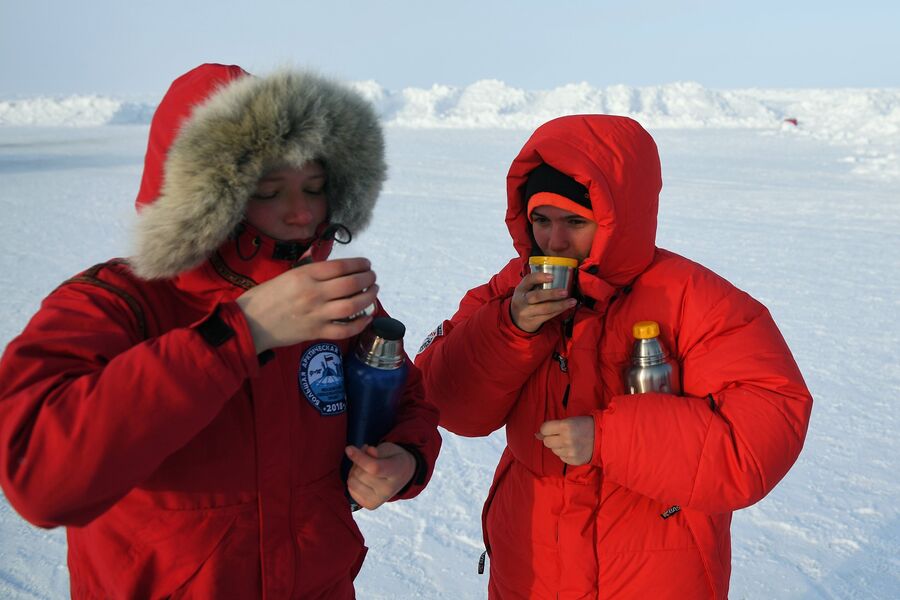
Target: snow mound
(865, 121)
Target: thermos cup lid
(388, 328)
(644, 330)
(559, 261)
(381, 344)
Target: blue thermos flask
(374, 376)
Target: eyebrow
(275, 178)
(536, 213)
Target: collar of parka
(219, 129)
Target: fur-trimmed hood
(219, 129)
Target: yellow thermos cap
(644, 330)
(559, 261)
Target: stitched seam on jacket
(228, 275)
(703, 561)
(133, 305)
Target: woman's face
(559, 232)
(289, 203)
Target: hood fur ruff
(245, 129)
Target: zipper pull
(563, 362)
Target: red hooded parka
(134, 409)
(650, 515)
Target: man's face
(559, 232)
(289, 203)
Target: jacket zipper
(626, 290)
(567, 327)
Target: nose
(559, 239)
(298, 211)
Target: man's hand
(304, 303)
(378, 473)
(572, 439)
(531, 306)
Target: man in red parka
(600, 494)
(171, 410)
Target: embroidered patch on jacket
(439, 330)
(321, 376)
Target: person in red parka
(171, 410)
(601, 494)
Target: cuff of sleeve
(510, 325)
(419, 475)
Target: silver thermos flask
(652, 370)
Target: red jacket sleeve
(88, 409)
(740, 424)
(475, 369)
(416, 425)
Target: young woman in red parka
(170, 410)
(600, 494)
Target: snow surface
(806, 219)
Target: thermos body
(651, 378)
(652, 370)
(374, 395)
(374, 377)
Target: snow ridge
(864, 120)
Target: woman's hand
(378, 473)
(305, 303)
(532, 306)
(572, 439)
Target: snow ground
(783, 215)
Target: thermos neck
(381, 344)
(380, 353)
(648, 352)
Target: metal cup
(366, 312)
(562, 269)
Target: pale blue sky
(136, 47)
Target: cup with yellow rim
(562, 269)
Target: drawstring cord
(338, 233)
(256, 244)
(335, 232)
(237, 243)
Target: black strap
(214, 330)
(289, 250)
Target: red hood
(186, 93)
(617, 161)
